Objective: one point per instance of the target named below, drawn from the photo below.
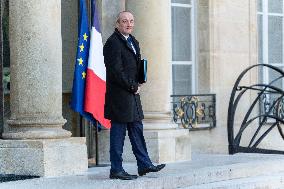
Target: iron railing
(255, 120)
(271, 104)
(194, 112)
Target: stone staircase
(240, 171)
(274, 181)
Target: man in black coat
(122, 100)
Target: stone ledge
(53, 157)
(42, 143)
(31, 133)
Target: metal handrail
(195, 111)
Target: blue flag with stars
(79, 81)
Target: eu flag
(79, 81)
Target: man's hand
(138, 90)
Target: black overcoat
(122, 64)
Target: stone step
(203, 170)
(271, 181)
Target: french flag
(96, 74)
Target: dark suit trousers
(117, 136)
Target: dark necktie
(129, 41)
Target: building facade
(192, 46)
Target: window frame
(193, 36)
(265, 35)
(264, 77)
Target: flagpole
(91, 137)
(90, 124)
(96, 123)
(91, 140)
(81, 127)
(97, 144)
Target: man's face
(125, 23)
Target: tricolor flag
(96, 74)
(80, 72)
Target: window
(270, 38)
(270, 47)
(183, 47)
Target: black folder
(142, 74)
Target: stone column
(36, 96)
(36, 71)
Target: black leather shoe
(122, 175)
(151, 169)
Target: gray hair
(118, 15)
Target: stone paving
(202, 169)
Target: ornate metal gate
(258, 119)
